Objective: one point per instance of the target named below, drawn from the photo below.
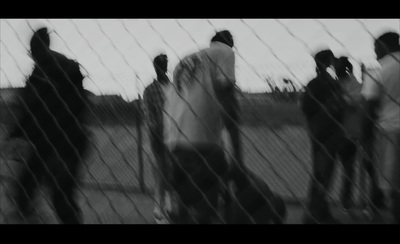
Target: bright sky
(117, 53)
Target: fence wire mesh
(116, 183)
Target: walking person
(54, 106)
(154, 99)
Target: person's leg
(323, 165)
(377, 197)
(63, 180)
(212, 184)
(160, 174)
(27, 182)
(198, 184)
(156, 170)
(391, 170)
(63, 189)
(181, 164)
(347, 152)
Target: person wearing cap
(154, 99)
(200, 104)
(323, 105)
(381, 91)
(54, 105)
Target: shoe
(159, 216)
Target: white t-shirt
(385, 85)
(193, 114)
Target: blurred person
(323, 105)
(359, 130)
(52, 121)
(154, 99)
(246, 197)
(351, 123)
(382, 93)
(200, 104)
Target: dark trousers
(324, 155)
(60, 175)
(196, 175)
(160, 168)
(375, 194)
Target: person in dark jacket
(53, 105)
(323, 105)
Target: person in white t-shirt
(382, 93)
(199, 105)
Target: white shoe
(159, 217)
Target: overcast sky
(116, 53)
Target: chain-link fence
(117, 183)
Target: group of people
(344, 116)
(192, 113)
(197, 179)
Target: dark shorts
(197, 172)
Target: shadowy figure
(382, 93)
(54, 106)
(323, 104)
(352, 123)
(154, 98)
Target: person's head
(324, 59)
(160, 63)
(343, 67)
(40, 42)
(224, 37)
(386, 43)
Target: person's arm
(370, 92)
(225, 69)
(309, 104)
(231, 121)
(226, 92)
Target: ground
(112, 207)
(110, 191)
